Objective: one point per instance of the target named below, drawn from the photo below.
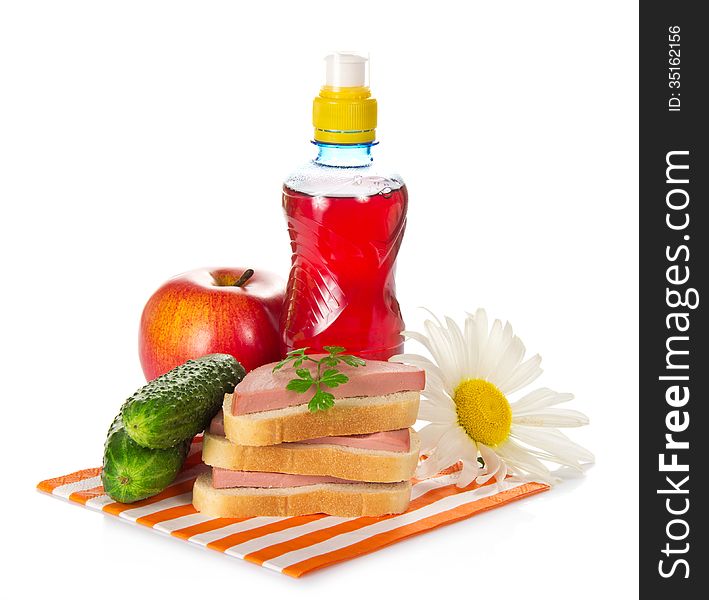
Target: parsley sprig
(330, 377)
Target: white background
(142, 139)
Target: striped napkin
(291, 545)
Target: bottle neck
(344, 155)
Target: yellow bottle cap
(345, 112)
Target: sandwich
(379, 396)
(271, 456)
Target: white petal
(433, 373)
(458, 442)
(458, 349)
(482, 327)
(555, 458)
(539, 398)
(507, 333)
(433, 316)
(522, 462)
(435, 411)
(451, 446)
(418, 337)
(468, 445)
(509, 361)
(435, 462)
(470, 472)
(427, 468)
(507, 337)
(523, 375)
(430, 435)
(502, 471)
(437, 394)
(437, 386)
(553, 442)
(469, 457)
(414, 359)
(552, 417)
(483, 479)
(472, 347)
(494, 349)
(492, 463)
(442, 352)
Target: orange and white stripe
(290, 545)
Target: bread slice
(339, 499)
(349, 416)
(357, 464)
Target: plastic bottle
(346, 219)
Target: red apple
(234, 311)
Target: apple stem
(245, 276)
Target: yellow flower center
(483, 411)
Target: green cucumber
(131, 472)
(176, 406)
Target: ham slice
(224, 478)
(398, 440)
(262, 389)
(216, 427)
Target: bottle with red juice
(346, 218)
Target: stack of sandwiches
(271, 456)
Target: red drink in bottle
(341, 287)
(346, 219)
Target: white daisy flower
(473, 372)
